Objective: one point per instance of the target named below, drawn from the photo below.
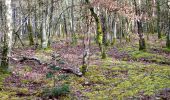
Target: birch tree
(7, 35)
(44, 31)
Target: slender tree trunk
(21, 23)
(74, 38)
(36, 25)
(168, 34)
(29, 26)
(65, 26)
(142, 45)
(44, 32)
(30, 32)
(60, 33)
(99, 30)
(114, 32)
(158, 19)
(86, 44)
(7, 36)
(104, 27)
(50, 18)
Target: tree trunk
(114, 32)
(158, 19)
(44, 34)
(104, 27)
(7, 36)
(74, 38)
(50, 18)
(168, 34)
(142, 45)
(4, 59)
(99, 31)
(30, 32)
(65, 26)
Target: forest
(84, 49)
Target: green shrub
(57, 91)
(62, 90)
(62, 77)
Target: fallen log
(33, 58)
(73, 70)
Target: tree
(168, 34)
(100, 33)
(142, 45)
(44, 30)
(6, 53)
(158, 18)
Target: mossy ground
(121, 80)
(131, 75)
(136, 75)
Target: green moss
(4, 96)
(25, 81)
(167, 50)
(17, 90)
(84, 69)
(48, 50)
(3, 76)
(74, 39)
(43, 55)
(149, 57)
(30, 35)
(27, 68)
(104, 56)
(113, 41)
(142, 44)
(57, 91)
(122, 80)
(141, 54)
(99, 38)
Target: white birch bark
(44, 34)
(9, 24)
(115, 30)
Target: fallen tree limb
(73, 70)
(29, 58)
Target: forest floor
(126, 74)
